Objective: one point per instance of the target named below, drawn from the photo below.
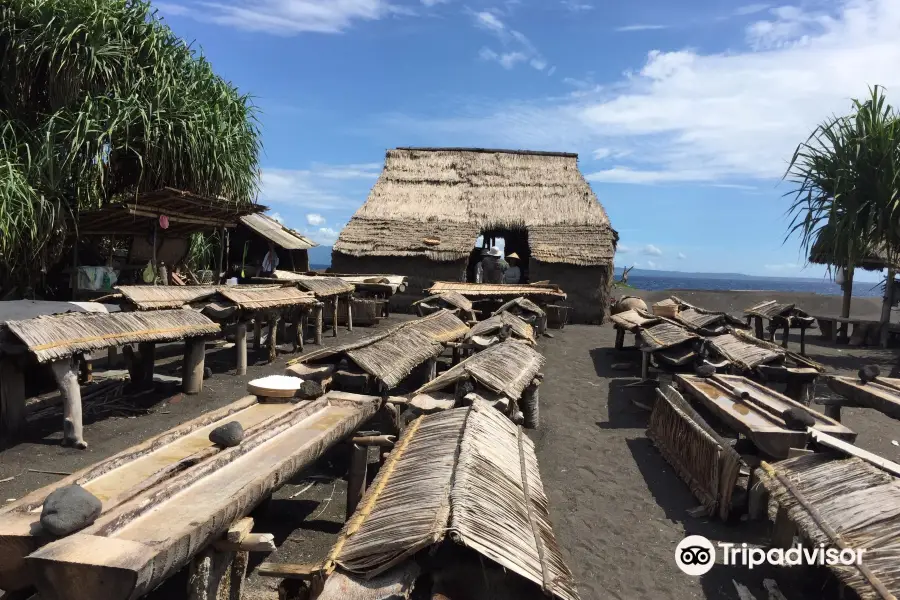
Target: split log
(188, 511)
(67, 380)
(301, 572)
(193, 365)
(12, 399)
(356, 478)
(240, 345)
(386, 441)
(252, 542)
(239, 530)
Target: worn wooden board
(759, 416)
(133, 548)
(872, 395)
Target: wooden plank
(239, 530)
(872, 395)
(838, 444)
(252, 542)
(302, 572)
(132, 549)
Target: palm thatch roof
(482, 291)
(490, 327)
(823, 253)
(664, 335)
(256, 299)
(325, 287)
(506, 368)
(434, 202)
(275, 232)
(59, 336)
(154, 297)
(468, 472)
(744, 354)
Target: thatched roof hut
(430, 205)
(823, 253)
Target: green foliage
(100, 101)
(203, 251)
(846, 176)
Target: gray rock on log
(309, 390)
(227, 435)
(69, 509)
(797, 419)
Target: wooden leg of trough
(210, 575)
(833, 411)
(334, 320)
(787, 333)
(85, 370)
(67, 380)
(455, 359)
(273, 336)
(645, 365)
(12, 399)
(802, 340)
(349, 313)
(356, 478)
(257, 333)
(620, 338)
(320, 318)
(282, 328)
(784, 531)
(240, 346)
(757, 497)
(758, 327)
(147, 353)
(530, 404)
(112, 357)
(192, 367)
(799, 389)
(430, 370)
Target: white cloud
(315, 219)
(575, 6)
(319, 188)
(651, 250)
(622, 249)
(651, 264)
(681, 256)
(640, 27)
(782, 267)
(601, 153)
(434, 2)
(733, 117)
(287, 17)
(277, 217)
(325, 236)
(750, 9)
(518, 48)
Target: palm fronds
(100, 101)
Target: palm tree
(99, 101)
(846, 204)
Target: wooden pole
(257, 332)
(147, 352)
(85, 370)
(240, 344)
(320, 319)
(620, 338)
(848, 292)
(67, 379)
(12, 399)
(112, 357)
(349, 313)
(645, 365)
(430, 369)
(787, 333)
(304, 325)
(758, 327)
(356, 478)
(221, 259)
(803, 340)
(155, 264)
(785, 530)
(192, 367)
(886, 308)
(334, 322)
(274, 318)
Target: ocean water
(828, 288)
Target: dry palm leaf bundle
(452, 301)
(491, 330)
(467, 476)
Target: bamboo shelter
(430, 205)
(467, 478)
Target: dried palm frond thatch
(520, 306)
(467, 472)
(153, 297)
(506, 368)
(845, 503)
(449, 300)
(325, 287)
(275, 232)
(54, 337)
(434, 202)
(255, 299)
(497, 290)
(664, 335)
(745, 355)
(489, 327)
(632, 320)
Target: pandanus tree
(100, 101)
(846, 206)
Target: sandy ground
(618, 508)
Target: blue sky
(684, 113)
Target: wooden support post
(67, 380)
(147, 353)
(757, 498)
(215, 575)
(833, 411)
(12, 400)
(784, 531)
(273, 336)
(85, 370)
(430, 369)
(220, 261)
(620, 338)
(787, 334)
(320, 322)
(193, 365)
(112, 357)
(886, 308)
(645, 365)
(240, 345)
(349, 313)
(257, 332)
(758, 327)
(799, 389)
(834, 332)
(529, 404)
(803, 340)
(297, 331)
(334, 321)
(303, 329)
(455, 360)
(356, 478)
(282, 327)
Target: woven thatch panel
(506, 368)
(631, 320)
(747, 356)
(491, 498)
(254, 299)
(454, 299)
(489, 327)
(496, 290)
(277, 233)
(664, 335)
(434, 202)
(324, 287)
(857, 501)
(769, 309)
(522, 306)
(152, 297)
(59, 336)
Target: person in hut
(270, 262)
(491, 267)
(513, 274)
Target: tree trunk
(848, 292)
(886, 308)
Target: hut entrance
(508, 241)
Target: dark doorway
(508, 241)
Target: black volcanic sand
(618, 508)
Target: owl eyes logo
(695, 555)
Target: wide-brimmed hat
(494, 252)
(513, 255)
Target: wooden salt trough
(883, 394)
(167, 498)
(758, 416)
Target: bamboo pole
(240, 344)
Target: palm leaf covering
(99, 101)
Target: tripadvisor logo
(695, 555)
